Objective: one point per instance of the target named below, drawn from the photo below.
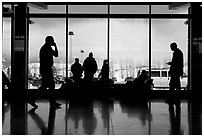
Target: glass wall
(129, 9)
(6, 47)
(38, 31)
(128, 38)
(89, 35)
(50, 8)
(169, 9)
(88, 9)
(164, 32)
(128, 48)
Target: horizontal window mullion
(110, 16)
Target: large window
(128, 48)
(88, 35)
(6, 47)
(164, 32)
(129, 36)
(38, 31)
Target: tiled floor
(100, 118)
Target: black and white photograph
(101, 68)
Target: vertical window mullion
(66, 33)
(150, 24)
(108, 37)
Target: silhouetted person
(89, 67)
(143, 76)
(76, 70)
(176, 67)
(67, 84)
(46, 64)
(104, 74)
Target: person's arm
(55, 53)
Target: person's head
(49, 40)
(105, 62)
(90, 54)
(143, 71)
(77, 60)
(173, 46)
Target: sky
(129, 38)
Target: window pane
(155, 73)
(7, 6)
(37, 34)
(90, 35)
(50, 9)
(99, 9)
(164, 73)
(6, 47)
(129, 9)
(165, 9)
(164, 32)
(128, 47)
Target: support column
(195, 25)
(19, 48)
(195, 67)
(19, 63)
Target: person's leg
(172, 83)
(51, 86)
(177, 83)
(171, 89)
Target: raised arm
(55, 53)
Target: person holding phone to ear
(47, 51)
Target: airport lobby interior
(125, 40)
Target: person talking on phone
(47, 52)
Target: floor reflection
(41, 124)
(99, 117)
(137, 110)
(175, 118)
(82, 116)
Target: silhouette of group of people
(89, 67)
(50, 50)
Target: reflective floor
(95, 117)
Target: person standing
(176, 67)
(76, 70)
(47, 51)
(89, 67)
(104, 74)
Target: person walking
(47, 51)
